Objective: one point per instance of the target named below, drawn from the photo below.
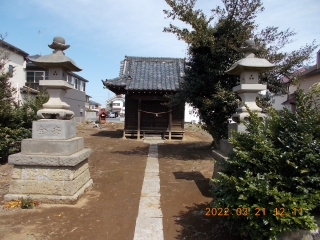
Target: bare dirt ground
(109, 210)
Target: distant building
(87, 101)
(116, 104)
(94, 106)
(25, 77)
(190, 114)
(309, 76)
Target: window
(82, 86)
(34, 77)
(116, 104)
(75, 83)
(69, 79)
(10, 71)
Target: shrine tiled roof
(148, 73)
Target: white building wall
(277, 101)
(307, 82)
(190, 114)
(118, 101)
(19, 74)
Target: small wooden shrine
(145, 81)
(102, 114)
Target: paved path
(149, 220)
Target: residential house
(94, 106)
(309, 76)
(87, 101)
(116, 104)
(16, 64)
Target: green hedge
(275, 165)
(10, 141)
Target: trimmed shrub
(274, 168)
(15, 120)
(10, 141)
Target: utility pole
(108, 104)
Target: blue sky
(102, 32)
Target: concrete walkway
(149, 220)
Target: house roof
(114, 98)
(291, 99)
(147, 73)
(310, 71)
(77, 76)
(93, 103)
(12, 48)
(32, 66)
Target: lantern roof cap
(250, 62)
(57, 59)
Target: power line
(40, 32)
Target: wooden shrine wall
(150, 104)
(178, 117)
(131, 114)
(149, 120)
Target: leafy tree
(25, 114)
(15, 120)
(274, 166)
(212, 48)
(6, 89)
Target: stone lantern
(52, 166)
(248, 68)
(58, 65)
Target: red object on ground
(102, 115)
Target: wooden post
(125, 115)
(139, 118)
(170, 123)
(125, 122)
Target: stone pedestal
(52, 166)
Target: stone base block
(44, 160)
(50, 173)
(53, 129)
(32, 185)
(237, 127)
(52, 199)
(226, 147)
(222, 154)
(52, 147)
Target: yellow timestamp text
(256, 212)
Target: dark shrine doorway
(154, 115)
